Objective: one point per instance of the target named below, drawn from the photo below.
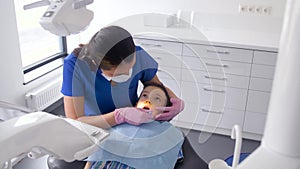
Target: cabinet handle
(216, 78)
(211, 111)
(218, 52)
(213, 90)
(217, 65)
(151, 45)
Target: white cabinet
(215, 96)
(168, 56)
(218, 53)
(216, 66)
(158, 46)
(265, 58)
(218, 79)
(261, 79)
(209, 116)
(215, 82)
(254, 122)
(221, 86)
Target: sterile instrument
(280, 145)
(64, 17)
(39, 133)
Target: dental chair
(28, 133)
(191, 160)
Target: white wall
(11, 74)
(12, 89)
(226, 10)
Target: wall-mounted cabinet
(221, 85)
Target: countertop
(249, 37)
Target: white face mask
(120, 78)
(106, 77)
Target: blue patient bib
(148, 146)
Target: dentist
(104, 75)
(100, 81)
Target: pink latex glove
(132, 115)
(170, 112)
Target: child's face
(152, 97)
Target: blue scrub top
(100, 96)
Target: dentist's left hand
(170, 112)
(132, 115)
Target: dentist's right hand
(132, 115)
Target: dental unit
(280, 145)
(39, 133)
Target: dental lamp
(64, 17)
(280, 145)
(39, 133)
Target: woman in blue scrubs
(104, 74)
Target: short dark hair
(161, 86)
(108, 48)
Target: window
(41, 51)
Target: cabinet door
(218, 53)
(159, 46)
(168, 60)
(169, 73)
(210, 116)
(258, 101)
(216, 96)
(254, 122)
(215, 78)
(265, 58)
(216, 66)
(262, 71)
(261, 84)
(170, 77)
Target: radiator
(43, 96)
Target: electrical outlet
(243, 8)
(259, 9)
(267, 10)
(255, 9)
(251, 9)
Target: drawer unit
(170, 77)
(169, 73)
(260, 84)
(262, 71)
(258, 101)
(254, 122)
(167, 59)
(157, 46)
(216, 96)
(215, 78)
(209, 116)
(173, 85)
(265, 58)
(221, 86)
(216, 66)
(218, 53)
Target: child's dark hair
(162, 87)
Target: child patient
(153, 95)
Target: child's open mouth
(146, 107)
